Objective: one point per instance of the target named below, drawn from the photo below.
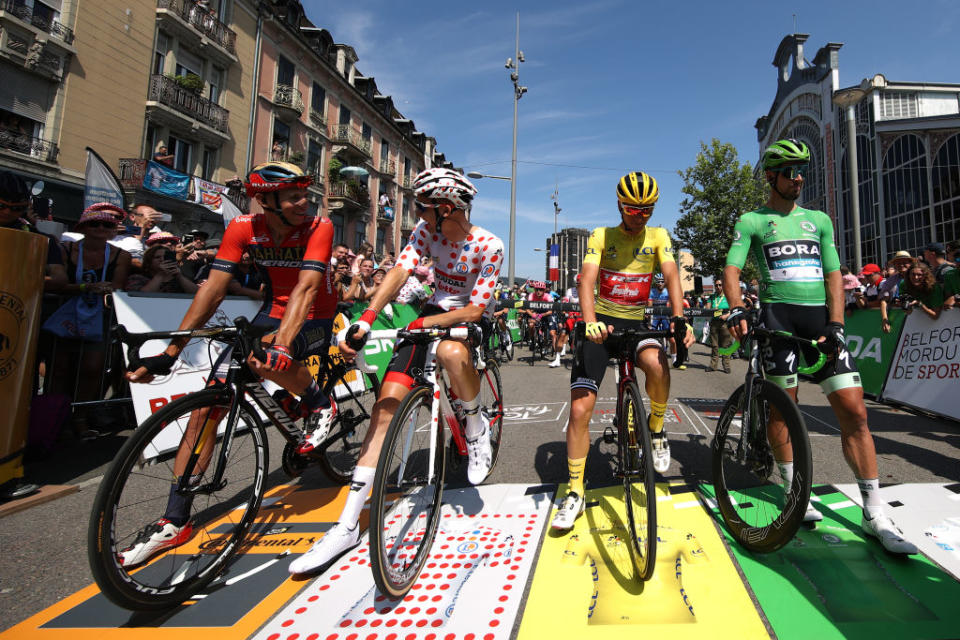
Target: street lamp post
(847, 99)
(514, 65)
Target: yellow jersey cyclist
(801, 291)
(614, 287)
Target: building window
(209, 163)
(315, 161)
(898, 104)
(384, 154)
(344, 115)
(215, 82)
(337, 220)
(160, 54)
(406, 168)
(285, 72)
(317, 99)
(181, 151)
(869, 229)
(281, 141)
(360, 233)
(946, 190)
(381, 234)
(367, 132)
(905, 195)
(188, 62)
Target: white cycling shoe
(883, 529)
(661, 451)
(571, 508)
(154, 538)
(331, 546)
(479, 455)
(319, 423)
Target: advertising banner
(926, 365)
(162, 312)
(166, 181)
(871, 347)
(209, 194)
(21, 290)
(100, 185)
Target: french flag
(554, 263)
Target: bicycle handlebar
(770, 333)
(419, 336)
(655, 310)
(640, 334)
(243, 330)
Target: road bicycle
(538, 339)
(225, 471)
(499, 345)
(756, 509)
(630, 431)
(408, 484)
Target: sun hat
(91, 214)
(161, 236)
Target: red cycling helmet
(274, 176)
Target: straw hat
(901, 255)
(101, 211)
(161, 236)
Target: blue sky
(614, 86)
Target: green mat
(829, 582)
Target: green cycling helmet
(786, 151)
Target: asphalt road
(44, 556)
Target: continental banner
(871, 348)
(925, 370)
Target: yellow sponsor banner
(583, 586)
(22, 264)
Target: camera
(187, 239)
(907, 301)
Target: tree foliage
(718, 190)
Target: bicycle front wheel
(356, 394)
(407, 490)
(639, 483)
(134, 493)
(749, 491)
(491, 403)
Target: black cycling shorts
(313, 339)
(591, 364)
(409, 358)
(780, 355)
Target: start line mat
(234, 605)
(471, 587)
(583, 585)
(830, 582)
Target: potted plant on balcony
(334, 170)
(297, 158)
(190, 82)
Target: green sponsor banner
(832, 582)
(871, 348)
(513, 323)
(379, 352)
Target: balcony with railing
(131, 171)
(350, 141)
(408, 223)
(290, 102)
(167, 92)
(407, 182)
(22, 12)
(28, 145)
(189, 20)
(387, 169)
(350, 194)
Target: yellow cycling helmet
(637, 189)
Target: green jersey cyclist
(801, 292)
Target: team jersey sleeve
(665, 248)
(742, 237)
(595, 247)
(416, 246)
(490, 262)
(829, 258)
(319, 247)
(232, 245)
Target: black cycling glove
(736, 315)
(158, 365)
(835, 339)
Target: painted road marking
(583, 585)
(542, 412)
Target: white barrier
(926, 365)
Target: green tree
(718, 190)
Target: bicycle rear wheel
(407, 490)
(639, 483)
(491, 403)
(134, 494)
(748, 487)
(356, 394)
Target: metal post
(513, 165)
(854, 186)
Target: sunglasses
(422, 207)
(16, 208)
(102, 224)
(646, 212)
(794, 171)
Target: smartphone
(187, 239)
(165, 217)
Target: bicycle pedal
(609, 435)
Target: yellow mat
(583, 585)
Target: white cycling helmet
(445, 184)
